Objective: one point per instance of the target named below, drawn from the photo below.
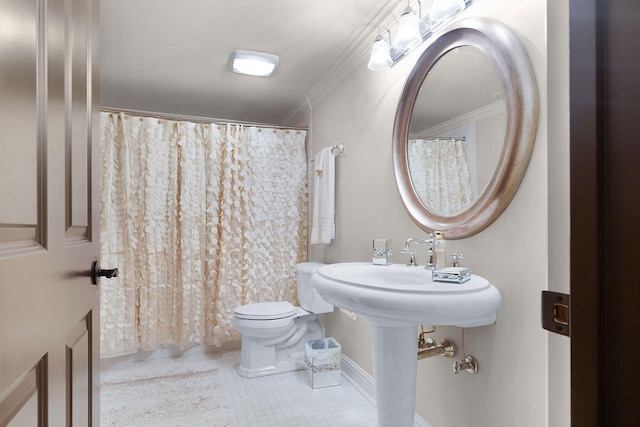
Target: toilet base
(260, 357)
(277, 368)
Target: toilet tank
(307, 296)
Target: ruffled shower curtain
(199, 218)
(440, 174)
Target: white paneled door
(49, 309)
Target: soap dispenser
(439, 250)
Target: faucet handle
(412, 255)
(457, 256)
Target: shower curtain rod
(461, 138)
(195, 119)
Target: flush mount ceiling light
(253, 63)
(413, 29)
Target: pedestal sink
(395, 299)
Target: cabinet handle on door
(97, 272)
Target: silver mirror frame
(509, 57)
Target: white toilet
(274, 333)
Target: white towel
(323, 228)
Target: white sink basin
(397, 295)
(395, 299)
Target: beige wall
(558, 182)
(512, 386)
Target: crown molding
(493, 109)
(355, 55)
(350, 58)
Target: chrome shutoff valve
(469, 364)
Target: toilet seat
(265, 311)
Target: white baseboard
(363, 383)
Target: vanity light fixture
(408, 34)
(413, 29)
(253, 63)
(444, 9)
(380, 53)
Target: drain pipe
(445, 348)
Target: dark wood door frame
(605, 212)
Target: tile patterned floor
(286, 400)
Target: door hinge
(556, 312)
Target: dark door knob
(97, 272)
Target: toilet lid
(265, 310)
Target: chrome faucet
(456, 256)
(406, 249)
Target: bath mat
(163, 393)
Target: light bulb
(443, 9)
(380, 55)
(408, 34)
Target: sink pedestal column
(394, 372)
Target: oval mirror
(465, 128)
